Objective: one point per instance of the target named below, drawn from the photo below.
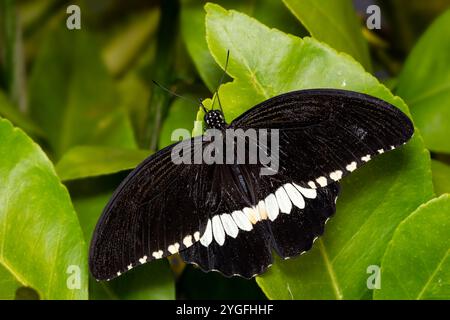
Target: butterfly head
(214, 119)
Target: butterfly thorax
(215, 120)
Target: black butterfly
(228, 217)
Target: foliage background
(78, 110)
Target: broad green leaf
(333, 22)
(270, 12)
(182, 115)
(16, 117)
(441, 177)
(416, 264)
(8, 284)
(40, 237)
(89, 161)
(424, 83)
(150, 281)
(374, 200)
(73, 98)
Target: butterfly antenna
(221, 80)
(202, 105)
(175, 94)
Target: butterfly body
(215, 119)
(230, 216)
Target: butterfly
(229, 217)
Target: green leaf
(424, 83)
(8, 284)
(73, 98)
(40, 235)
(17, 118)
(273, 13)
(374, 200)
(416, 264)
(89, 161)
(335, 23)
(150, 281)
(441, 177)
(182, 115)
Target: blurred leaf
(135, 97)
(416, 264)
(424, 83)
(41, 236)
(333, 22)
(441, 177)
(272, 13)
(150, 281)
(370, 207)
(32, 12)
(407, 19)
(73, 98)
(88, 161)
(182, 115)
(130, 41)
(114, 130)
(17, 118)
(11, 52)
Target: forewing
(324, 134)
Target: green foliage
(87, 100)
(333, 268)
(86, 161)
(182, 115)
(441, 177)
(68, 104)
(339, 27)
(16, 117)
(425, 84)
(416, 264)
(40, 237)
(193, 30)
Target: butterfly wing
(325, 134)
(159, 209)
